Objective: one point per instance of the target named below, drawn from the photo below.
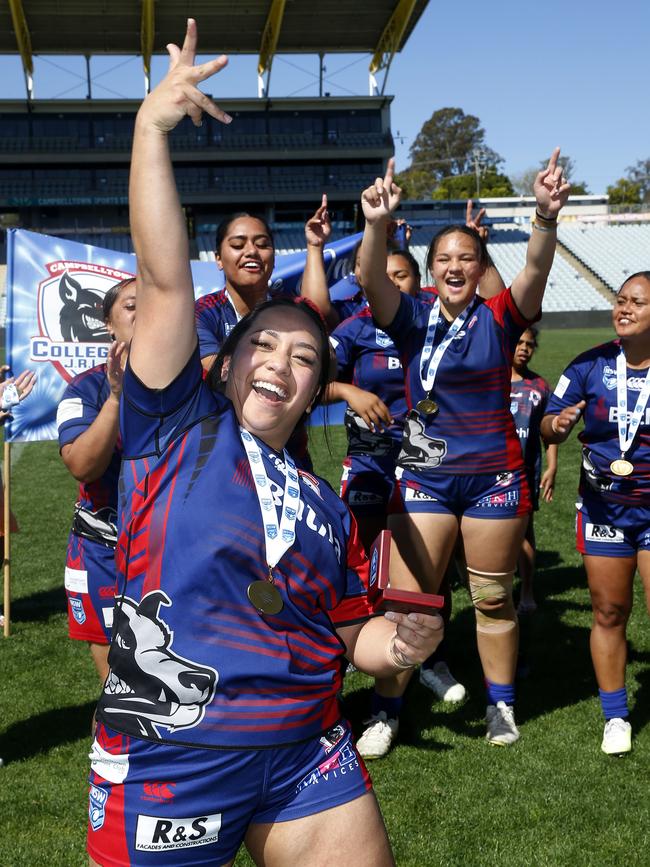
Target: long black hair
(229, 219)
(112, 295)
(247, 322)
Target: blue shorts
(155, 804)
(367, 483)
(493, 495)
(90, 589)
(606, 529)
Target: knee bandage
(491, 594)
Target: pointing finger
(188, 52)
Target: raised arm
(551, 192)
(378, 203)
(318, 229)
(491, 282)
(165, 333)
(89, 455)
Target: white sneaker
(617, 737)
(501, 728)
(442, 683)
(378, 738)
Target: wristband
(544, 219)
(541, 228)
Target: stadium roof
(74, 27)
(263, 27)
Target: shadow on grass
(39, 606)
(556, 653)
(45, 731)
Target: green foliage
(450, 143)
(639, 173)
(624, 192)
(492, 184)
(553, 799)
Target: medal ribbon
(626, 433)
(430, 360)
(278, 538)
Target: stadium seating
(566, 289)
(612, 252)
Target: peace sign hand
(178, 95)
(380, 200)
(551, 188)
(475, 222)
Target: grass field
(448, 798)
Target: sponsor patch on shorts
(603, 533)
(107, 614)
(76, 580)
(414, 494)
(156, 834)
(364, 498)
(562, 384)
(112, 768)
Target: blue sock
(500, 692)
(438, 655)
(390, 706)
(614, 704)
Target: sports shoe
(378, 738)
(442, 683)
(501, 728)
(617, 737)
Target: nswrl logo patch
(97, 807)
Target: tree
(523, 182)
(624, 192)
(493, 185)
(450, 143)
(639, 174)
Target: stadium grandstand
(64, 162)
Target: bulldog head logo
(81, 318)
(150, 687)
(418, 449)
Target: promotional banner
(55, 290)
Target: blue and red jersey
(215, 317)
(80, 405)
(192, 661)
(473, 431)
(347, 297)
(528, 399)
(592, 377)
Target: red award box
(380, 593)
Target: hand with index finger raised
(381, 198)
(551, 188)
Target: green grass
(554, 799)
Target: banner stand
(7, 538)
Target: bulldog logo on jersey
(72, 335)
(418, 449)
(149, 686)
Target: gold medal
(427, 406)
(265, 597)
(621, 467)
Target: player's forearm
(89, 456)
(314, 285)
(550, 435)
(157, 221)
(528, 287)
(382, 294)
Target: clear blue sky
(574, 73)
